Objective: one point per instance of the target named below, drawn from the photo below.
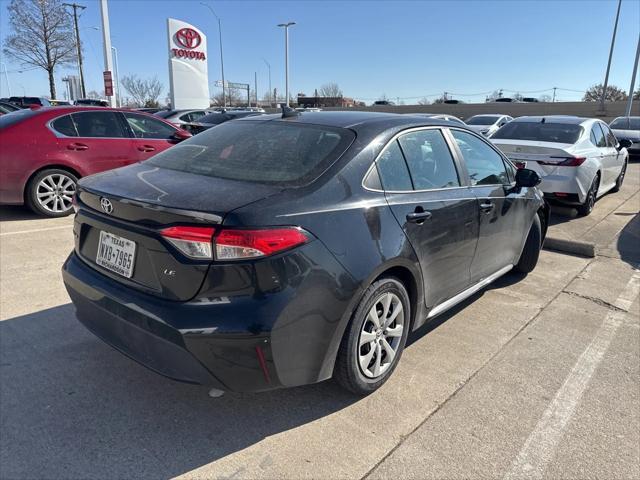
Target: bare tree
(144, 92)
(41, 36)
(636, 94)
(440, 99)
(234, 97)
(613, 93)
(424, 101)
(545, 98)
(331, 90)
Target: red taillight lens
(194, 242)
(242, 244)
(567, 162)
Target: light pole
(224, 95)
(270, 91)
(286, 56)
(6, 77)
(613, 41)
(633, 79)
(117, 72)
(75, 7)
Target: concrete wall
(466, 110)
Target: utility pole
(270, 90)
(613, 41)
(255, 86)
(286, 56)
(554, 94)
(75, 7)
(633, 80)
(224, 85)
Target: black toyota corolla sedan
(283, 250)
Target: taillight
(194, 242)
(568, 162)
(241, 244)
(233, 244)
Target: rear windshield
(214, 118)
(540, 132)
(165, 113)
(12, 118)
(626, 123)
(274, 152)
(482, 120)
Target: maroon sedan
(46, 150)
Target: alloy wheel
(54, 193)
(381, 335)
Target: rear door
(614, 157)
(604, 155)
(150, 135)
(430, 199)
(97, 139)
(503, 209)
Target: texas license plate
(116, 254)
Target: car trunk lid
(543, 157)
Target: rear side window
(611, 138)
(540, 132)
(65, 126)
(597, 137)
(429, 160)
(98, 125)
(275, 152)
(392, 169)
(484, 164)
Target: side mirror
(624, 143)
(181, 135)
(527, 178)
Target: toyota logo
(188, 38)
(106, 205)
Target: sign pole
(109, 87)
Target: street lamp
(224, 96)
(270, 91)
(286, 56)
(6, 77)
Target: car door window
(600, 140)
(99, 125)
(65, 126)
(429, 160)
(611, 138)
(392, 169)
(484, 164)
(144, 126)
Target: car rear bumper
(245, 344)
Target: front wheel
(375, 338)
(51, 192)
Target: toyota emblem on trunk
(106, 205)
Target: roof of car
(552, 119)
(490, 115)
(351, 119)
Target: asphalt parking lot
(536, 376)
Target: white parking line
(35, 230)
(540, 447)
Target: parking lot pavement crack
(532, 320)
(597, 301)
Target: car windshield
(540, 132)
(273, 153)
(626, 123)
(15, 117)
(483, 120)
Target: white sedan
(578, 159)
(487, 124)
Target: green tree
(594, 94)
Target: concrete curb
(573, 247)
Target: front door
(436, 210)
(150, 135)
(503, 208)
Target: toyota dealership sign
(188, 74)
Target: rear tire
(531, 251)
(620, 178)
(587, 207)
(375, 338)
(50, 192)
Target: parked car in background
(506, 100)
(216, 118)
(150, 109)
(378, 103)
(578, 159)
(7, 107)
(45, 151)
(58, 103)
(272, 252)
(26, 102)
(439, 116)
(530, 100)
(91, 102)
(487, 124)
(628, 128)
(181, 117)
